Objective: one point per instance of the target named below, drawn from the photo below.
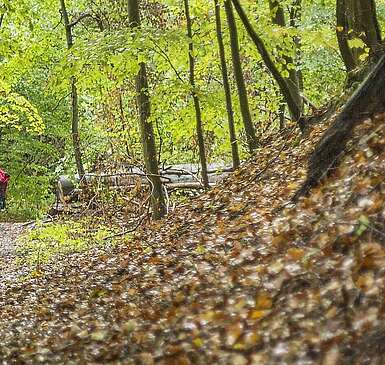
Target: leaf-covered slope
(237, 276)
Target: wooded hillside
(192, 182)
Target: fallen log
(187, 185)
(172, 186)
(367, 100)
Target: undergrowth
(48, 240)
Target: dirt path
(9, 232)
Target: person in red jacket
(4, 179)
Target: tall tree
(198, 113)
(295, 19)
(362, 17)
(289, 91)
(226, 86)
(294, 73)
(239, 78)
(343, 36)
(278, 18)
(368, 15)
(146, 128)
(74, 98)
(356, 20)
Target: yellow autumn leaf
(99, 335)
(233, 332)
(365, 282)
(235, 208)
(293, 185)
(200, 250)
(279, 240)
(251, 339)
(257, 314)
(36, 273)
(198, 342)
(295, 254)
(263, 301)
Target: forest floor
(10, 271)
(239, 275)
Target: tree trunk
(276, 13)
(240, 81)
(198, 114)
(74, 99)
(295, 18)
(278, 18)
(146, 130)
(289, 92)
(356, 19)
(367, 100)
(355, 27)
(75, 130)
(226, 86)
(369, 22)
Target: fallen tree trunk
(181, 172)
(187, 185)
(367, 100)
(168, 185)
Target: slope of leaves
(237, 276)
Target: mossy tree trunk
(356, 19)
(239, 78)
(368, 14)
(74, 99)
(146, 128)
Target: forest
(192, 182)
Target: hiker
(4, 178)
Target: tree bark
(240, 81)
(198, 113)
(74, 99)
(2, 19)
(295, 18)
(276, 13)
(367, 100)
(356, 19)
(369, 23)
(226, 86)
(146, 129)
(289, 92)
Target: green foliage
(17, 113)
(36, 68)
(28, 197)
(47, 240)
(21, 127)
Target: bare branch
(84, 16)
(79, 19)
(167, 58)
(59, 102)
